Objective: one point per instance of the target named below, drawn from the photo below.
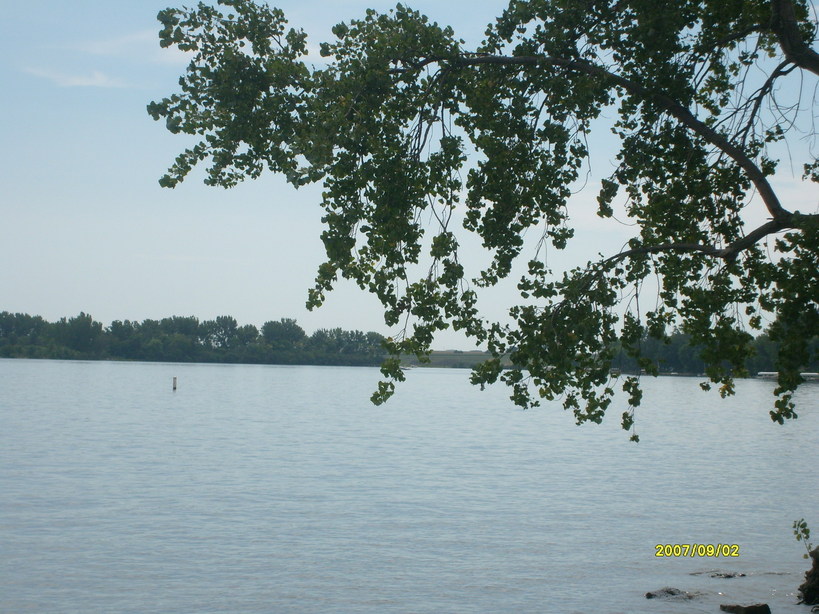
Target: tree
(182, 325)
(284, 334)
(80, 333)
(247, 334)
(20, 328)
(124, 339)
(408, 129)
(219, 333)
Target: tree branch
(791, 221)
(786, 28)
(709, 250)
(759, 96)
(670, 105)
(784, 24)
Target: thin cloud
(122, 45)
(95, 79)
(142, 45)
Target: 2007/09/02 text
(697, 550)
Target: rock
(718, 574)
(669, 593)
(757, 608)
(809, 590)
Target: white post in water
(174, 383)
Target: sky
(84, 225)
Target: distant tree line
(185, 339)
(677, 355)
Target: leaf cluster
(419, 142)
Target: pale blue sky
(85, 226)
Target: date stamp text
(697, 550)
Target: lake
(282, 489)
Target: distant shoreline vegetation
(185, 339)
(283, 342)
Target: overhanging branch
(786, 28)
(667, 103)
(790, 221)
(709, 250)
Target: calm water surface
(282, 489)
